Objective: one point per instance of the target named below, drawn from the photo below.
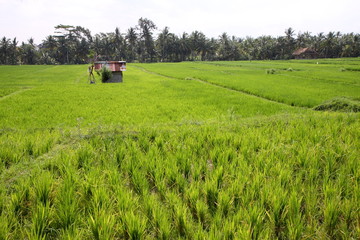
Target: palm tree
(29, 52)
(119, 44)
(147, 46)
(49, 46)
(4, 50)
(197, 45)
(289, 43)
(328, 44)
(131, 40)
(184, 47)
(162, 43)
(224, 50)
(13, 55)
(318, 43)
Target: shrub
(106, 74)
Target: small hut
(117, 68)
(305, 53)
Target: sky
(24, 19)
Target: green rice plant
(212, 195)
(237, 190)
(149, 202)
(229, 230)
(134, 226)
(349, 212)
(310, 206)
(253, 189)
(163, 228)
(331, 217)
(40, 222)
(199, 171)
(144, 143)
(124, 201)
(218, 176)
(255, 220)
(200, 234)
(225, 204)
(161, 186)
(181, 184)
(71, 234)
(151, 172)
(191, 195)
(202, 215)
(5, 161)
(294, 203)
(5, 227)
(102, 224)
(216, 229)
(101, 199)
(20, 200)
(157, 217)
(29, 148)
(84, 157)
(139, 182)
(67, 211)
(172, 200)
(184, 165)
(43, 187)
(181, 222)
(295, 227)
(278, 214)
(2, 199)
(120, 156)
(172, 176)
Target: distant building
(116, 67)
(305, 53)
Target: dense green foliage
(105, 74)
(178, 152)
(73, 45)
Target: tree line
(76, 45)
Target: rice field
(193, 150)
(301, 83)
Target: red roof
(114, 66)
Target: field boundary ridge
(15, 93)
